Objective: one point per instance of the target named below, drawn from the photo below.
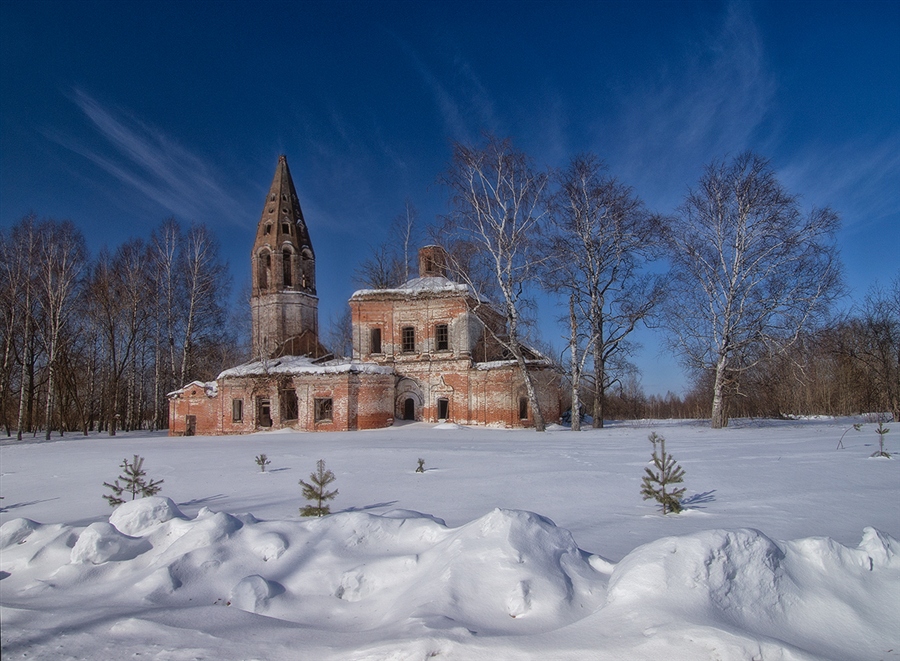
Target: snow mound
(448, 425)
(814, 594)
(139, 515)
(252, 593)
(100, 542)
(16, 531)
(409, 576)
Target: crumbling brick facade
(444, 345)
(429, 350)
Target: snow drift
(508, 573)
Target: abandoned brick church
(426, 350)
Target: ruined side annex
(426, 350)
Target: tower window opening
(287, 268)
(285, 228)
(268, 229)
(265, 262)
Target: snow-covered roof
(419, 286)
(211, 388)
(497, 364)
(303, 365)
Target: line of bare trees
(96, 342)
(741, 278)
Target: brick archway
(409, 401)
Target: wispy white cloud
(154, 164)
(709, 103)
(860, 180)
(464, 103)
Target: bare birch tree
(61, 263)
(24, 240)
(749, 271)
(497, 205)
(602, 237)
(205, 283)
(119, 307)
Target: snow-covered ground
(512, 545)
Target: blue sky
(120, 114)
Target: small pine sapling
(655, 483)
(262, 461)
(421, 467)
(881, 431)
(133, 481)
(315, 490)
(856, 427)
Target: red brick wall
(359, 401)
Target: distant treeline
(94, 342)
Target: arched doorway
(409, 401)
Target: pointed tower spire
(283, 303)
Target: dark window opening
(287, 268)
(237, 410)
(375, 341)
(409, 409)
(268, 228)
(324, 409)
(264, 415)
(441, 338)
(409, 339)
(288, 405)
(523, 408)
(285, 227)
(265, 261)
(443, 406)
(308, 271)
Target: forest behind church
(94, 342)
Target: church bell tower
(284, 306)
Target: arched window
(307, 271)
(288, 268)
(264, 263)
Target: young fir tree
(262, 461)
(655, 483)
(881, 431)
(133, 481)
(421, 466)
(315, 490)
